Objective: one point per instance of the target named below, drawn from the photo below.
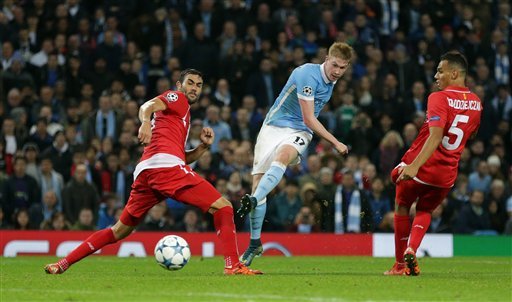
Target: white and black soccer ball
(172, 252)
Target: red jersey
(169, 129)
(457, 110)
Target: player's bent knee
(219, 204)
(121, 230)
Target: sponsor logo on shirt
(434, 118)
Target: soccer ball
(172, 252)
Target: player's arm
(206, 137)
(145, 112)
(310, 120)
(434, 139)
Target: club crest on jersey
(307, 90)
(171, 97)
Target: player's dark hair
(456, 58)
(188, 71)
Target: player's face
(335, 68)
(443, 75)
(191, 87)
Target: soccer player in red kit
(163, 172)
(429, 168)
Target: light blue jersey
(307, 82)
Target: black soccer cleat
(247, 203)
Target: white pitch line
(246, 297)
(266, 297)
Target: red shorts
(407, 191)
(154, 185)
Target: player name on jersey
(465, 104)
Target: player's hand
(406, 172)
(145, 133)
(207, 136)
(341, 148)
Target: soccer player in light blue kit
(287, 132)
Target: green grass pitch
(101, 278)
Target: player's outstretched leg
(93, 243)
(413, 268)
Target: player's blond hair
(341, 50)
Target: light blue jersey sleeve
(308, 83)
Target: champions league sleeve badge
(307, 91)
(171, 97)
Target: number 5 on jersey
(458, 132)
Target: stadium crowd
(74, 73)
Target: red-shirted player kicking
(429, 168)
(163, 172)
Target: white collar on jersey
(324, 76)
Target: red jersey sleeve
(437, 110)
(172, 99)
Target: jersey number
(458, 132)
(299, 141)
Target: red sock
(419, 228)
(402, 229)
(93, 243)
(225, 227)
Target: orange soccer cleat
(57, 268)
(53, 269)
(398, 269)
(241, 269)
(413, 268)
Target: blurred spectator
(79, 194)
(221, 128)
(106, 212)
(85, 221)
(389, 151)
(380, 203)
(57, 222)
(496, 201)
(345, 114)
(191, 222)
(45, 211)
(263, 85)
(41, 137)
(60, 156)
(12, 142)
(241, 128)
(21, 220)
(502, 102)
(51, 180)
(157, 219)
(19, 190)
(313, 166)
(480, 179)
(474, 217)
(283, 208)
(234, 186)
(304, 222)
(438, 223)
(31, 152)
